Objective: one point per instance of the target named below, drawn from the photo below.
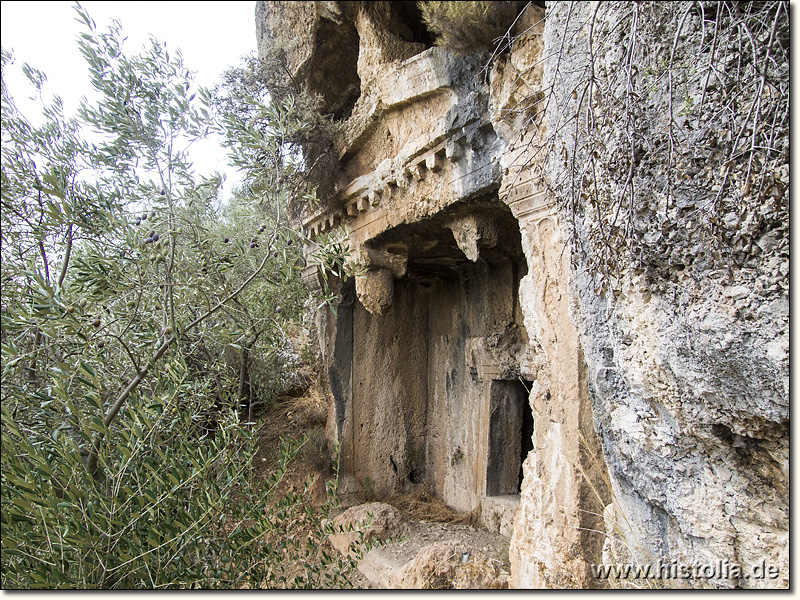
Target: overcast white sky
(211, 36)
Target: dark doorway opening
(510, 436)
(527, 431)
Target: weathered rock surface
(375, 290)
(600, 387)
(687, 356)
(424, 555)
(373, 521)
(447, 565)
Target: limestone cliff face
(561, 320)
(687, 353)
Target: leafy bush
(124, 461)
(176, 507)
(467, 27)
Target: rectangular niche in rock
(510, 436)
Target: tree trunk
(243, 377)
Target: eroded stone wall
(661, 406)
(687, 355)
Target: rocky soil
(413, 554)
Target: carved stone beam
(379, 258)
(433, 162)
(454, 148)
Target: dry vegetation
(422, 506)
(293, 418)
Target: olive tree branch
(91, 463)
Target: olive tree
(124, 461)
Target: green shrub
(251, 98)
(124, 461)
(174, 507)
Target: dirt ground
(292, 418)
